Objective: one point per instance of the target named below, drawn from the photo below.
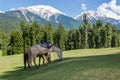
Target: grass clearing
(0, 53)
(88, 64)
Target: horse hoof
(38, 67)
(60, 59)
(24, 68)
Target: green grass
(0, 53)
(89, 64)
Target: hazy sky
(69, 7)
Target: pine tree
(16, 42)
(60, 37)
(115, 37)
(32, 34)
(71, 39)
(102, 35)
(119, 39)
(78, 39)
(98, 36)
(48, 33)
(4, 44)
(39, 34)
(91, 40)
(81, 30)
(25, 29)
(85, 31)
(108, 37)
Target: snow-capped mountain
(90, 14)
(43, 14)
(93, 16)
(43, 11)
(26, 15)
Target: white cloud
(83, 6)
(110, 9)
(1, 12)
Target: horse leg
(47, 57)
(29, 59)
(34, 60)
(41, 56)
(39, 60)
(43, 59)
(25, 59)
(30, 62)
(28, 65)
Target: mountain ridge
(44, 14)
(43, 11)
(47, 14)
(93, 16)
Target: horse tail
(25, 59)
(29, 58)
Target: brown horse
(38, 50)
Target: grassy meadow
(88, 64)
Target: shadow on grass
(87, 62)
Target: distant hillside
(9, 23)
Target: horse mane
(56, 47)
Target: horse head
(58, 51)
(60, 55)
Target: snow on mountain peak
(108, 10)
(43, 8)
(21, 8)
(43, 11)
(90, 14)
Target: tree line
(88, 35)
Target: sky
(69, 7)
